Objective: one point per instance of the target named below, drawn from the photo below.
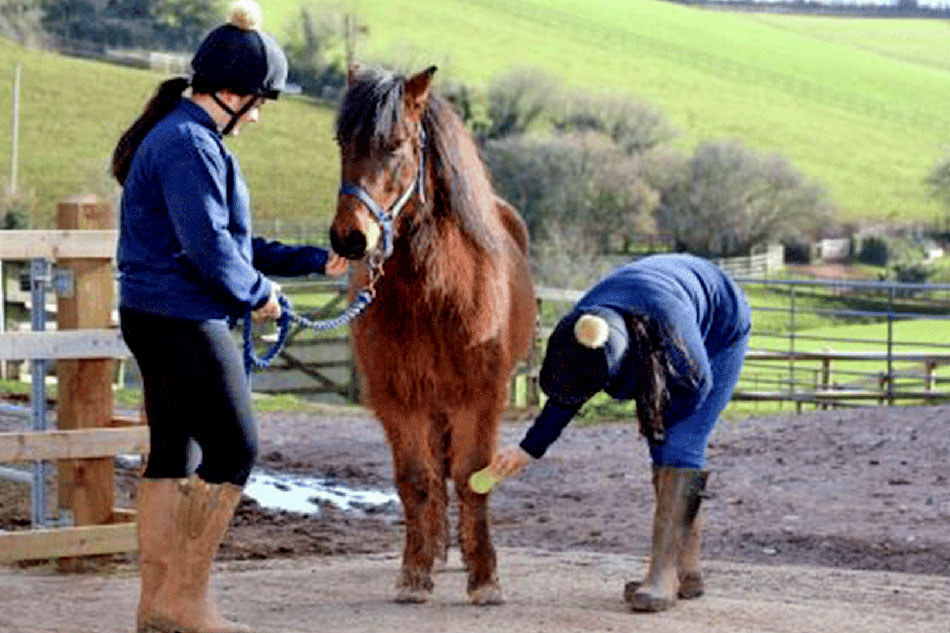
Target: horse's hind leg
(421, 486)
(473, 439)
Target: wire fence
(828, 344)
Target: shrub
(726, 199)
(582, 183)
(889, 250)
(16, 209)
(517, 101)
(635, 126)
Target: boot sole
(159, 626)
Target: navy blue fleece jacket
(185, 246)
(699, 308)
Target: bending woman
(669, 332)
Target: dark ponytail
(651, 372)
(162, 102)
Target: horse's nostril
(353, 246)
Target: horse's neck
(441, 271)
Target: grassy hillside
(857, 104)
(73, 111)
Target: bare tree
(581, 181)
(726, 199)
(634, 125)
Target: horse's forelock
(370, 116)
(371, 110)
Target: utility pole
(348, 38)
(15, 128)
(353, 29)
(14, 159)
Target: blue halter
(386, 220)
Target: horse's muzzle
(350, 246)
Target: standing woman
(669, 332)
(187, 264)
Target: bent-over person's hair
(651, 369)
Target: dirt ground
(852, 489)
(827, 521)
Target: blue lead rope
(385, 219)
(287, 318)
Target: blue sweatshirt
(699, 307)
(185, 246)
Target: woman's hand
(509, 461)
(271, 309)
(337, 265)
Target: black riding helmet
(572, 372)
(239, 57)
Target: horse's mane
(370, 116)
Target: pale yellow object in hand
(482, 481)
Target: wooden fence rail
(85, 348)
(87, 345)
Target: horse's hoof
(691, 585)
(412, 595)
(649, 602)
(486, 595)
(629, 589)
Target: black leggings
(195, 389)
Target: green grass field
(73, 111)
(859, 105)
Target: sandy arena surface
(827, 521)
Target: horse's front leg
(473, 439)
(421, 488)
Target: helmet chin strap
(235, 115)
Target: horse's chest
(434, 349)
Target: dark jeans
(195, 389)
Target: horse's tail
(513, 223)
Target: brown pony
(453, 310)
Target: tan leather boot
(184, 602)
(677, 504)
(156, 506)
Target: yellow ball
(482, 481)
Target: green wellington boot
(676, 541)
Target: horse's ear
(353, 72)
(417, 88)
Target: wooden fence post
(532, 388)
(930, 381)
(825, 376)
(86, 486)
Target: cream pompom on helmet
(240, 57)
(591, 331)
(584, 353)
